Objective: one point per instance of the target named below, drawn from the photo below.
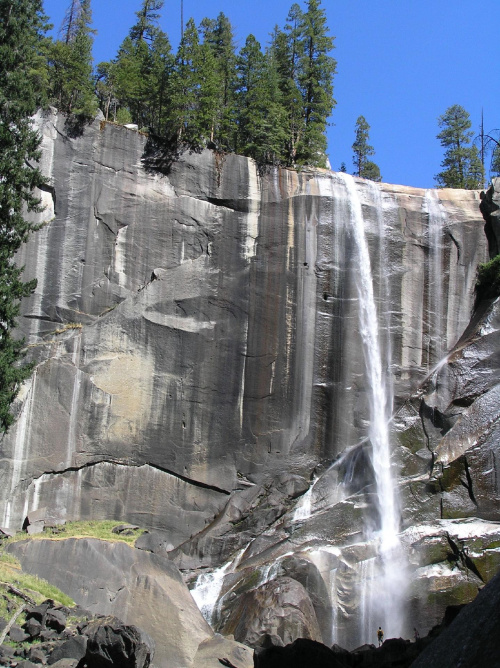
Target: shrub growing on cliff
(22, 26)
(488, 279)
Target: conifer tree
(365, 168)
(219, 35)
(287, 49)
(495, 161)
(70, 63)
(194, 92)
(462, 166)
(22, 26)
(316, 72)
(68, 29)
(260, 111)
(139, 74)
(147, 19)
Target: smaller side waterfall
(208, 586)
(304, 507)
(207, 590)
(435, 308)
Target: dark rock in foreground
(473, 639)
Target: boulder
(471, 640)
(302, 652)
(213, 651)
(144, 589)
(280, 607)
(73, 648)
(112, 643)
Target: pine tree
(316, 72)
(106, 89)
(69, 26)
(461, 164)
(218, 34)
(147, 19)
(287, 49)
(495, 161)
(139, 75)
(70, 61)
(362, 149)
(22, 26)
(261, 114)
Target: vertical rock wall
(196, 331)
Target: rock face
(472, 638)
(197, 333)
(114, 578)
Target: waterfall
(304, 507)
(208, 587)
(387, 603)
(436, 336)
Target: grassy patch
(488, 279)
(30, 585)
(102, 529)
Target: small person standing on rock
(380, 636)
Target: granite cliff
(201, 371)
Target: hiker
(380, 636)
(417, 634)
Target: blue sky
(400, 63)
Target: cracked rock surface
(199, 362)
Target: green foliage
(102, 529)
(138, 78)
(365, 168)
(262, 118)
(21, 44)
(462, 166)
(30, 585)
(271, 106)
(495, 161)
(488, 279)
(315, 79)
(71, 83)
(123, 116)
(194, 94)
(218, 34)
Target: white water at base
(208, 587)
(387, 602)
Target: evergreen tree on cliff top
(262, 117)
(139, 76)
(315, 79)
(218, 34)
(22, 72)
(365, 168)
(461, 164)
(70, 63)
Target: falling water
(304, 508)
(435, 300)
(208, 587)
(389, 598)
(207, 590)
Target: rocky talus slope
(201, 371)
